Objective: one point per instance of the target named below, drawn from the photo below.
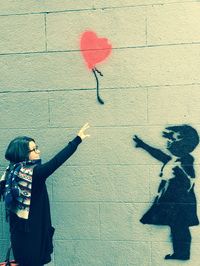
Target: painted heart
(94, 49)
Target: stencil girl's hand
(138, 142)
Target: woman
(175, 203)
(26, 198)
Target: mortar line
(103, 88)
(93, 8)
(164, 45)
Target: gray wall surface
(151, 80)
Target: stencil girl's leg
(181, 240)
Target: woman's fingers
(81, 132)
(86, 126)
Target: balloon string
(94, 70)
(99, 72)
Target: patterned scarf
(15, 187)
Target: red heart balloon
(94, 49)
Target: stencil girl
(175, 203)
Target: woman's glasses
(35, 149)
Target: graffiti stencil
(175, 203)
(94, 51)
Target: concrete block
(1, 220)
(32, 6)
(197, 183)
(194, 254)
(159, 233)
(50, 188)
(195, 230)
(4, 244)
(174, 105)
(65, 29)
(1, 201)
(159, 250)
(121, 148)
(22, 34)
(76, 220)
(102, 253)
(44, 72)
(24, 110)
(122, 107)
(5, 224)
(175, 23)
(56, 139)
(121, 221)
(109, 183)
(171, 65)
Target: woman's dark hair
(18, 149)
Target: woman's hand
(138, 142)
(82, 133)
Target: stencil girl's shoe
(177, 257)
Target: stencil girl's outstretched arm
(156, 153)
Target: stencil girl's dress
(175, 203)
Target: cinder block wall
(151, 80)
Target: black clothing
(165, 212)
(181, 240)
(176, 204)
(32, 239)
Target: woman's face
(34, 153)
